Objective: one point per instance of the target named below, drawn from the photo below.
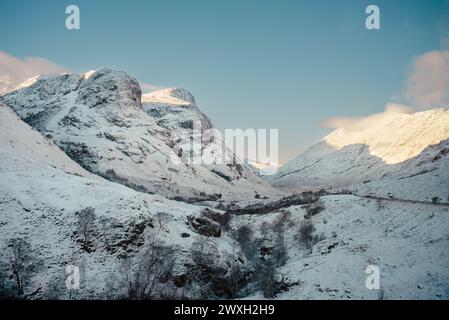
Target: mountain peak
(397, 138)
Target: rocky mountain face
(43, 195)
(406, 157)
(99, 121)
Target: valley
(86, 180)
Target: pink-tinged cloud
(428, 83)
(427, 87)
(362, 123)
(147, 87)
(14, 71)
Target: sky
(291, 65)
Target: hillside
(406, 156)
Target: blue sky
(250, 64)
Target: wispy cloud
(13, 70)
(362, 123)
(427, 87)
(147, 87)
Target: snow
(98, 118)
(405, 157)
(70, 141)
(40, 191)
(408, 242)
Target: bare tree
(305, 234)
(267, 281)
(150, 274)
(244, 236)
(234, 280)
(203, 254)
(55, 287)
(86, 218)
(105, 227)
(280, 250)
(111, 289)
(3, 272)
(162, 218)
(22, 262)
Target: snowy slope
(41, 188)
(406, 156)
(408, 242)
(97, 118)
(40, 191)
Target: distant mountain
(405, 156)
(99, 120)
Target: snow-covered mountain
(97, 146)
(98, 119)
(41, 191)
(404, 156)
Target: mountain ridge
(99, 120)
(400, 151)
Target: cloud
(427, 87)
(362, 123)
(428, 83)
(14, 71)
(147, 87)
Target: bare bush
(55, 287)
(244, 236)
(162, 218)
(111, 287)
(147, 277)
(305, 234)
(203, 254)
(267, 279)
(85, 224)
(283, 220)
(279, 249)
(313, 209)
(228, 281)
(223, 219)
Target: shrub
(86, 218)
(147, 277)
(223, 219)
(244, 236)
(305, 234)
(313, 209)
(436, 199)
(162, 218)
